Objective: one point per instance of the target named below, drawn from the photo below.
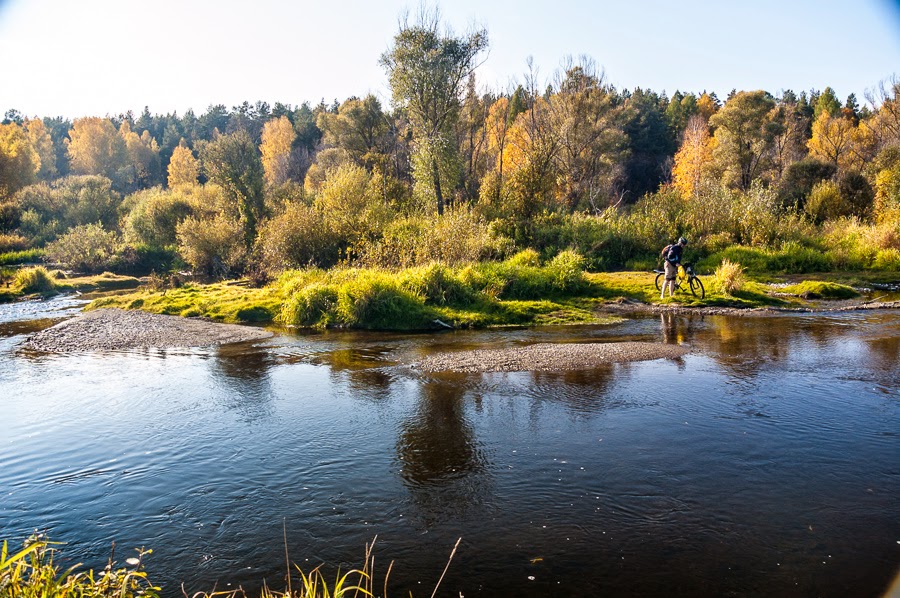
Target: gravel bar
(548, 357)
(116, 329)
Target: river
(765, 462)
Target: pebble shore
(116, 329)
(548, 357)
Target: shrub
(87, 247)
(155, 215)
(12, 243)
(10, 216)
(213, 245)
(729, 277)
(34, 280)
(825, 203)
(800, 178)
(296, 238)
(458, 237)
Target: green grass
(817, 289)
(26, 256)
(230, 302)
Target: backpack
(664, 254)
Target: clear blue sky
(95, 57)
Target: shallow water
(767, 461)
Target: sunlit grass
(32, 573)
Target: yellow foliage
(707, 106)
(693, 158)
(95, 147)
(40, 140)
(836, 140)
(18, 160)
(183, 167)
(277, 138)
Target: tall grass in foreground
(729, 277)
(32, 573)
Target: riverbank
(489, 295)
(116, 329)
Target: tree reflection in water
(443, 466)
(244, 370)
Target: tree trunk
(437, 186)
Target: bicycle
(685, 274)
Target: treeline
(451, 173)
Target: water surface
(767, 461)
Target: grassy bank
(39, 281)
(518, 291)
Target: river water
(765, 462)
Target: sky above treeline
(95, 57)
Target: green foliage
(376, 300)
(155, 215)
(21, 257)
(32, 573)
(437, 284)
(460, 236)
(233, 162)
(311, 306)
(48, 210)
(815, 289)
(213, 245)
(34, 280)
(87, 248)
(800, 178)
(791, 258)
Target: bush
(154, 216)
(10, 216)
(296, 238)
(800, 178)
(212, 245)
(34, 280)
(458, 237)
(87, 248)
(729, 277)
(12, 243)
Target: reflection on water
(763, 462)
(441, 462)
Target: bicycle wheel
(659, 280)
(697, 287)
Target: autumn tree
(278, 137)
(833, 139)
(587, 120)
(143, 168)
(95, 147)
(745, 129)
(19, 163)
(233, 162)
(184, 168)
(693, 158)
(360, 127)
(42, 143)
(427, 69)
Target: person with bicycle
(671, 255)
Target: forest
(452, 173)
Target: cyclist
(671, 255)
